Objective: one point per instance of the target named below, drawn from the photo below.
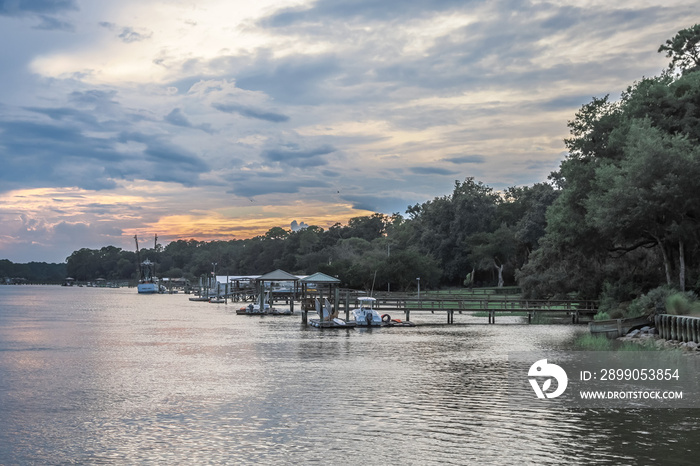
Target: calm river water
(105, 376)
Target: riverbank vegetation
(589, 342)
(618, 221)
(33, 272)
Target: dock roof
(319, 277)
(278, 276)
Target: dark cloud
(251, 112)
(126, 34)
(295, 156)
(293, 79)
(35, 7)
(177, 118)
(432, 171)
(564, 101)
(375, 202)
(94, 98)
(161, 160)
(466, 159)
(509, 34)
(59, 153)
(49, 23)
(69, 114)
(256, 187)
(129, 35)
(367, 10)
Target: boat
(328, 318)
(366, 315)
(254, 308)
(333, 323)
(147, 282)
(614, 328)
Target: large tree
(684, 49)
(628, 189)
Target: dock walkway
(487, 306)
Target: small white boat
(254, 308)
(366, 315)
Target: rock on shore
(649, 336)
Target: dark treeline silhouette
(33, 272)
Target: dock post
(304, 316)
(347, 306)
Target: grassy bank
(588, 342)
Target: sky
(220, 119)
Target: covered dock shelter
(275, 277)
(314, 289)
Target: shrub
(654, 302)
(594, 342)
(682, 303)
(601, 315)
(614, 294)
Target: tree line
(618, 218)
(32, 272)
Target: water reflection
(107, 376)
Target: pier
(489, 306)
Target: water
(106, 376)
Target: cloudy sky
(218, 119)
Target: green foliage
(602, 315)
(629, 208)
(590, 342)
(653, 302)
(682, 304)
(32, 272)
(684, 49)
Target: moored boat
(147, 283)
(366, 315)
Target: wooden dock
(487, 306)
